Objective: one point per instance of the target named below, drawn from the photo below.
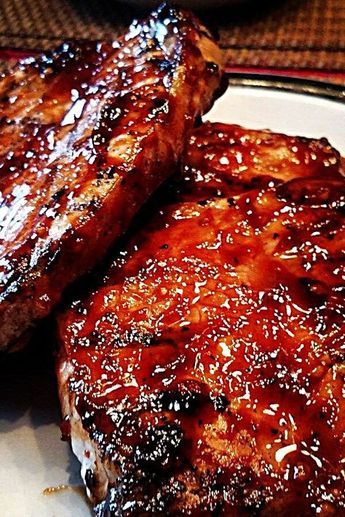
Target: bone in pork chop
(205, 374)
(87, 135)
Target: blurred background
(305, 38)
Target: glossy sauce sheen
(208, 367)
(87, 133)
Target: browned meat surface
(37, 93)
(222, 160)
(205, 374)
(87, 135)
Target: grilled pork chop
(93, 133)
(205, 374)
(37, 93)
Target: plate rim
(315, 88)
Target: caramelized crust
(36, 94)
(98, 129)
(205, 374)
(224, 159)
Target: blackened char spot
(145, 338)
(89, 479)
(188, 396)
(106, 172)
(160, 106)
(198, 121)
(110, 116)
(55, 61)
(57, 195)
(220, 403)
(314, 287)
(159, 447)
(212, 67)
(163, 64)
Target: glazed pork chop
(205, 373)
(37, 92)
(87, 136)
(223, 159)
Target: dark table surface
(302, 36)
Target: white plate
(290, 113)
(32, 457)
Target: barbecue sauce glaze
(208, 366)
